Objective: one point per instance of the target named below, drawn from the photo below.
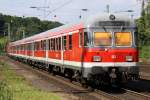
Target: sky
(67, 11)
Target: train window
(50, 48)
(102, 39)
(41, 45)
(20, 47)
(37, 45)
(59, 43)
(17, 47)
(80, 39)
(65, 42)
(86, 40)
(123, 39)
(44, 45)
(70, 42)
(29, 46)
(23, 47)
(56, 43)
(49, 44)
(52, 44)
(136, 38)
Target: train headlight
(129, 58)
(97, 58)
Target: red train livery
(100, 49)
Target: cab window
(102, 39)
(123, 39)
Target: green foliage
(21, 28)
(3, 42)
(143, 24)
(27, 26)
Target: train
(101, 49)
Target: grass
(15, 87)
(3, 42)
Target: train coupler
(113, 75)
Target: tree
(29, 26)
(143, 24)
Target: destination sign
(113, 23)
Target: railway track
(136, 95)
(114, 93)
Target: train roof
(89, 22)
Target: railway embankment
(16, 87)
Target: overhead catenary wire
(61, 6)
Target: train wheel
(53, 71)
(50, 69)
(84, 83)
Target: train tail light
(97, 58)
(129, 58)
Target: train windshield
(123, 38)
(102, 39)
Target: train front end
(111, 53)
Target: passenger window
(59, 43)
(70, 42)
(41, 45)
(56, 43)
(49, 44)
(80, 39)
(52, 44)
(35, 46)
(86, 40)
(44, 45)
(64, 40)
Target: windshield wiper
(122, 28)
(104, 28)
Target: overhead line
(66, 3)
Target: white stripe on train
(79, 64)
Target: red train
(100, 49)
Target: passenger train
(100, 49)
